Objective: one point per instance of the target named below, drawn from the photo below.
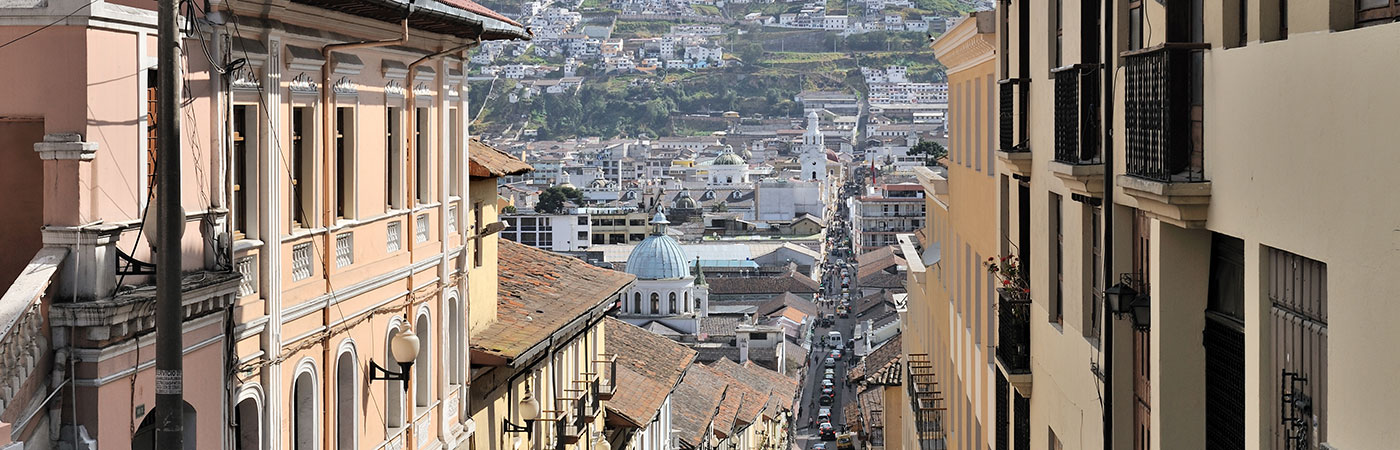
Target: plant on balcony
(1012, 283)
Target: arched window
(304, 411)
(637, 303)
(729, 179)
(673, 303)
(393, 389)
(814, 175)
(346, 430)
(686, 303)
(655, 303)
(247, 425)
(422, 382)
(456, 352)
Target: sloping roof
(753, 396)
(712, 353)
(657, 327)
(877, 261)
(785, 389)
(695, 402)
(540, 292)
(794, 315)
(884, 279)
(488, 162)
(787, 300)
(788, 282)
(883, 299)
(878, 362)
(718, 326)
(648, 365)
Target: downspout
(1107, 64)
(328, 110)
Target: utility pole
(170, 224)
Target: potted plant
(1012, 283)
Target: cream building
(327, 212)
(1239, 192)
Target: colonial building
(327, 210)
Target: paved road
(811, 392)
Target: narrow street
(839, 257)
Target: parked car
(843, 442)
(829, 362)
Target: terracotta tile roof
(876, 261)
(787, 300)
(695, 402)
(783, 388)
(881, 365)
(487, 162)
(866, 258)
(757, 390)
(884, 279)
(648, 365)
(876, 303)
(718, 326)
(788, 282)
(473, 7)
(727, 417)
(707, 354)
(794, 315)
(540, 292)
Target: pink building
(328, 206)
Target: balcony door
(1142, 342)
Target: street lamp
(404, 348)
(529, 411)
(602, 442)
(1121, 295)
(1142, 312)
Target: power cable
(51, 24)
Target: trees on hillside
(552, 200)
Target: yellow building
(948, 315)
(1242, 178)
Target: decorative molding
(344, 86)
(66, 146)
(303, 84)
(393, 69)
(425, 74)
(422, 90)
(394, 89)
(244, 78)
(346, 64)
(304, 59)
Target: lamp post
(529, 411)
(404, 348)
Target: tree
(552, 200)
(509, 209)
(932, 149)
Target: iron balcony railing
(1014, 333)
(570, 424)
(1013, 93)
(607, 371)
(1162, 112)
(1077, 117)
(926, 403)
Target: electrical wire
(51, 24)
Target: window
(635, 237)
(1135, 24)
(1376, 12)
(421, 167)
(655, 303)
(393, 389)
(583, 220)
(583, 236)
(1057, 236)
(243, 115)
(673, 304)
(1058, 43)
(422, 379)
(301, 161)
(1297, 286)
(247, 425)
(305, 412)
(686, 304)
(1224, 345)
(393, 167)
(758, 336)
(455, 151)
(599, 239)
(346, 430)
(344, 162)
(457, 354)
(1055, 441)
(637, 302)
(477, 226)
(1093, 260)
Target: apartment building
(1203, 275)
(889, 210)
(948, 314)
(327, 207)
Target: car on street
(828, 390)
(824, 413)
(843, 442)
(828, 383)
(830, 373)
(829, 362)
(826, 432)
(825, 400)
(819, 446)
(836, 353)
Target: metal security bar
(926, 402)
(1013, 97)
(1162, 112)
(1014, 334)
(1077, 114)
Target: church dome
(685, 202)
(658, 257)
(567, 185)
(728, 158)
(600, 183)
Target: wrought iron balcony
(1162, 112)
(568, 427)
(1014, 334)
(1077, 119)
(926, 403)
(1014, 95)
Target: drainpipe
(1108, 62)
(328, 110)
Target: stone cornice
(66, 146)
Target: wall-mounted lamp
(1125, 300)
(602, 441)
(1142, 312)
(492, 228)
(529, 411)
(404, 348)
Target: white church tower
(813, 151)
